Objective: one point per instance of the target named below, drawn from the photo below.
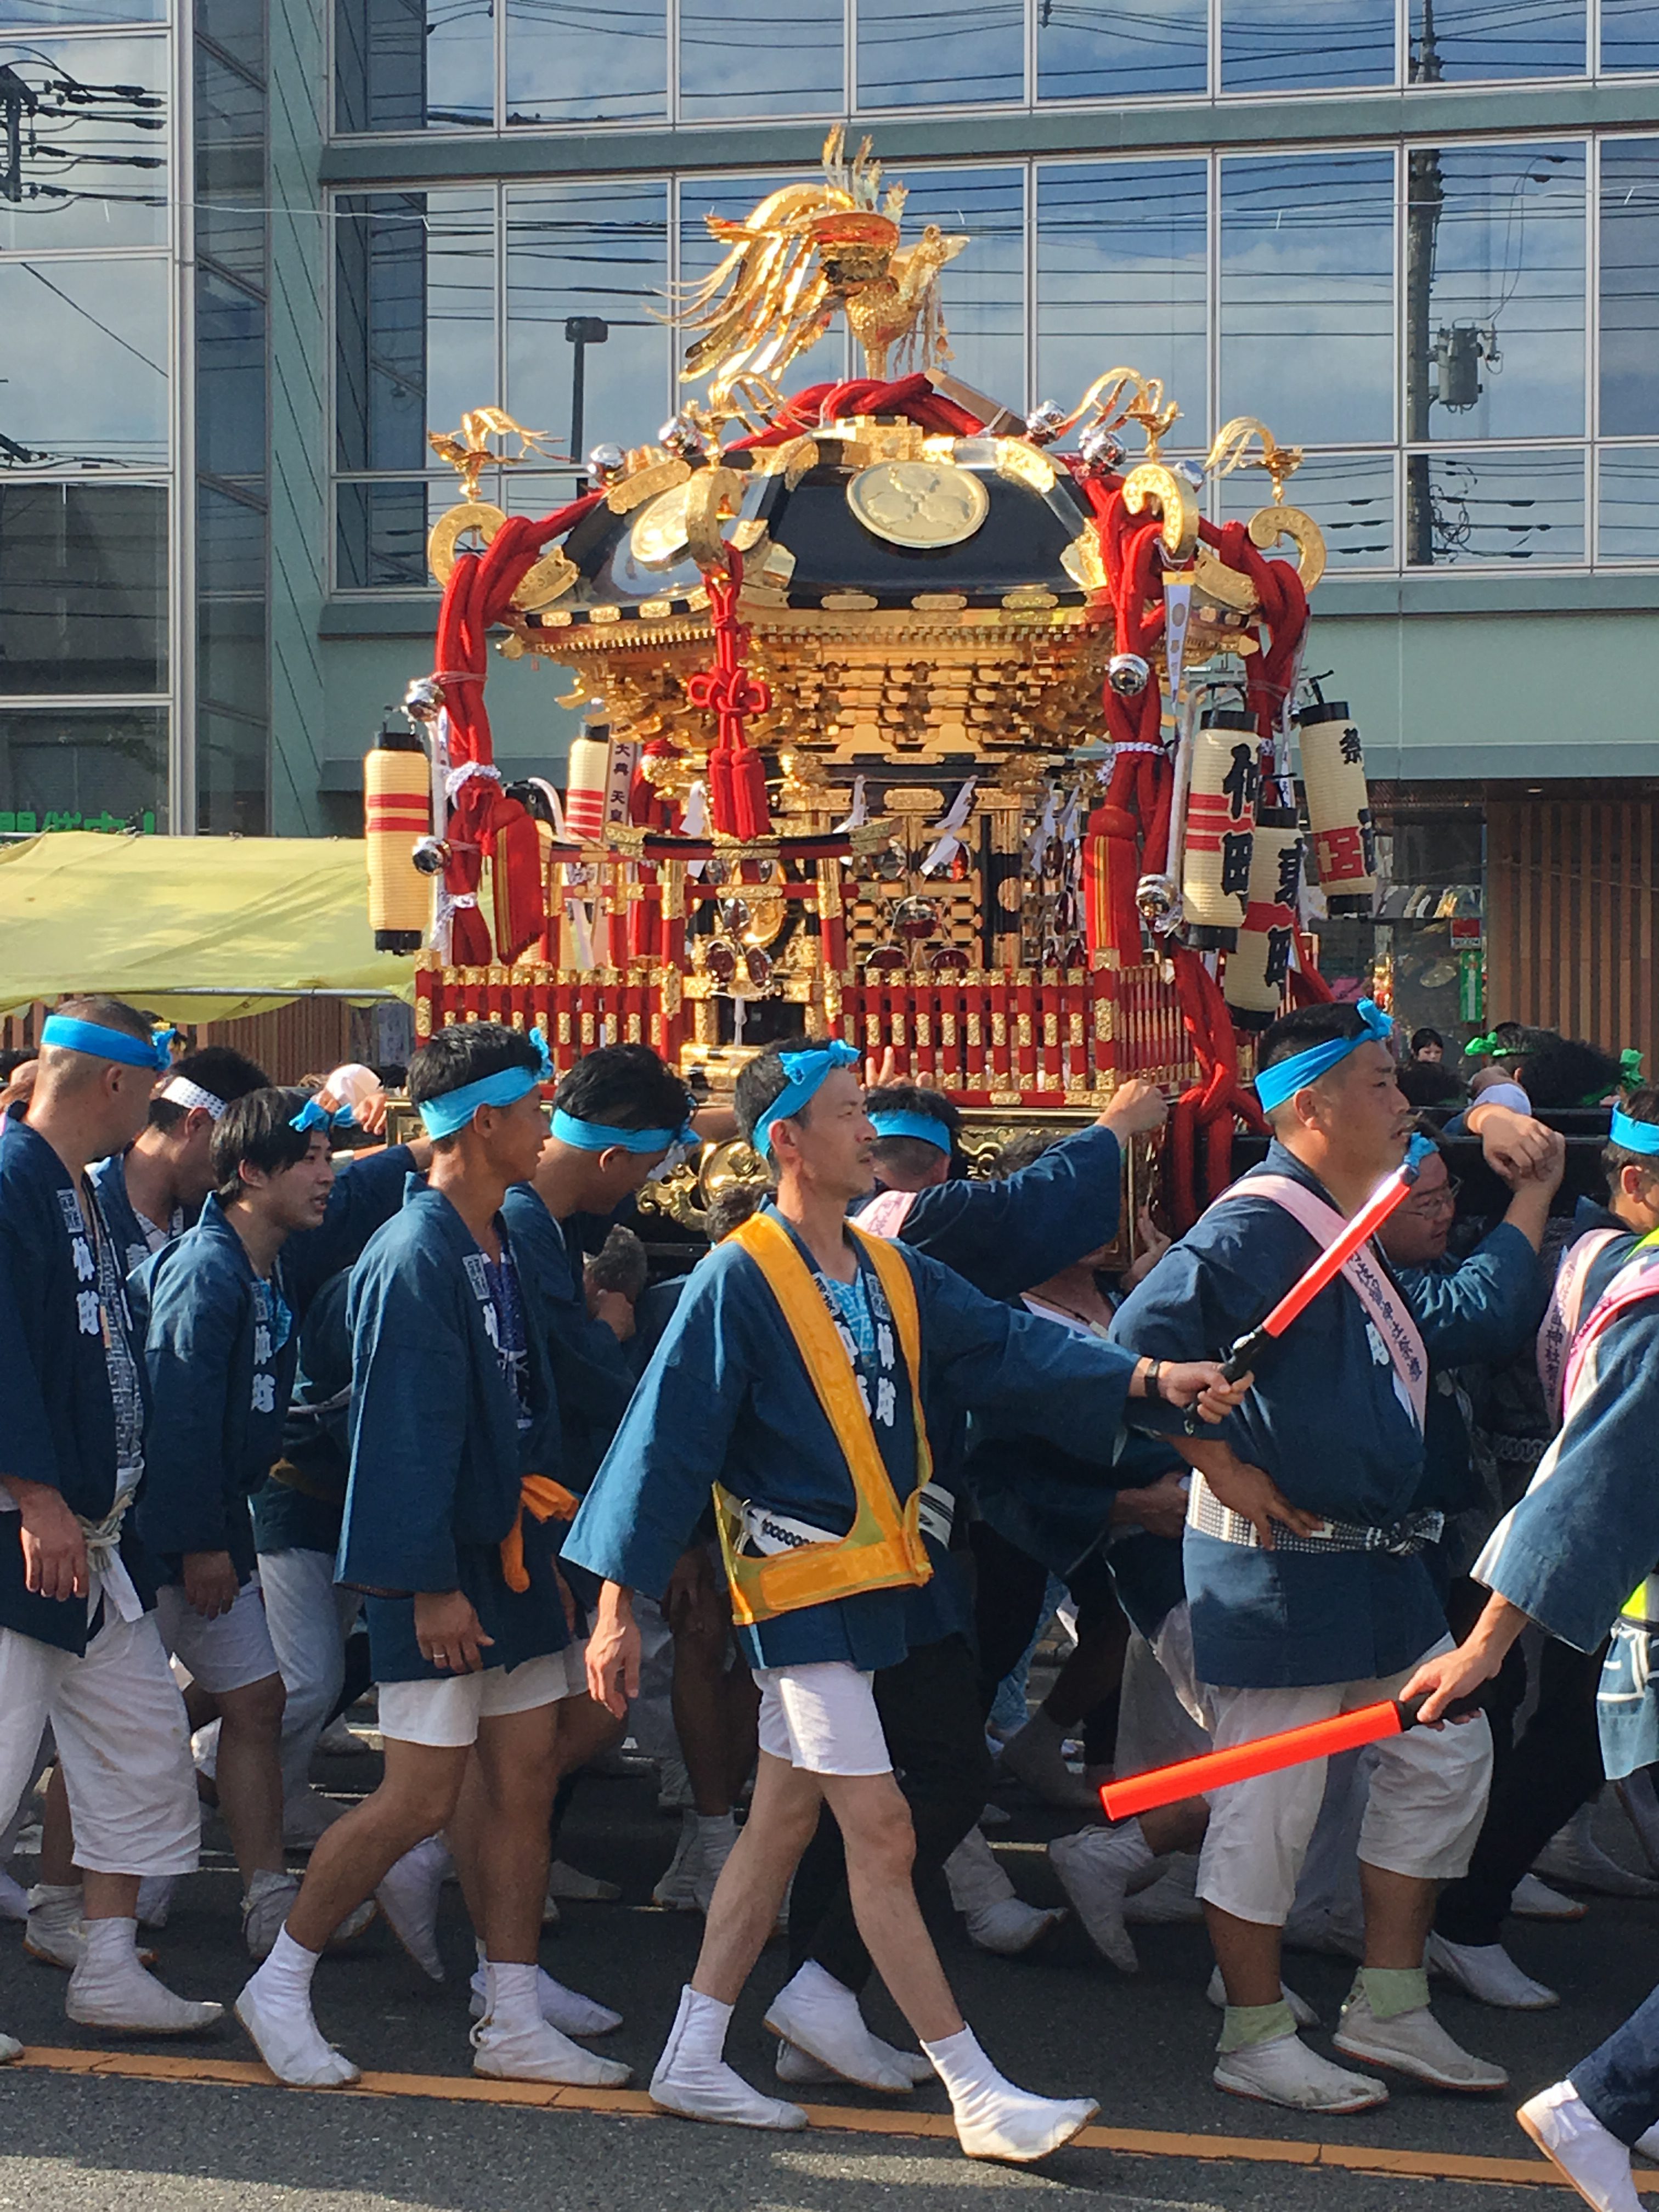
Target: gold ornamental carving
(472, 515)
(1270, 523)
(1153, 485)
(645, 484)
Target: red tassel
(748, 785)
(520, 912)
(737, 775)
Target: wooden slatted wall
(1572, 925)
(307, 1036)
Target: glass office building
(248, 260)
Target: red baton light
(1242, 1762)
(1331, 1261)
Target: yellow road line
(1133, 2142)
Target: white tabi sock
(275, 2008)
(693, 2079)
(111, 1944)
(284, 1978)
(511, 1998)
(821, 2015)
(110, 1989)
(698, 2036)
(995, 2119)
(566, 2009)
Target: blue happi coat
(221, 1349)
(1481, 1311)
(1003, 1236)
(57, 1416)
(1570, 1551)
(727, 1397)
(1326, 1421)
(437, 1454)
(300, 1505)
(129, 1230)
(593, 1376)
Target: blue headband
(1274, 1084)
(1421, 1148)
(1635, 1136)
(600, 1136)
(922, 1127)
(442, 1117)
(93, 1038)
(311, 1115)
(806, 1072)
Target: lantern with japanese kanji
(1254, 982)
(1221, 802)
(1338, 807)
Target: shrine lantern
(397, 812)
(1220, 820)
(601, 775)
(1338, 808)
(1253, 985)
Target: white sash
(1384, 1307)
(1561, 1323)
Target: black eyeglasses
(1444, 1200)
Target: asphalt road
(1058, 2021)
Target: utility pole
(17, 100)
(1426, 197)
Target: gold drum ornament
(922, 504)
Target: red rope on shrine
(484, 822)
(910, 397)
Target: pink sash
(1384, 1307)
(1560, 1324)
(884, 1215)
(1635, 1281)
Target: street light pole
(582, 331)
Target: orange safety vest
(884, 1548)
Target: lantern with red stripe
(1258, 964)
(1220, 821)
(1338, 807)
(601, 775)
(397, 813)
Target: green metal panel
(364, 675)
(1497, 695)
(1440, 697)
(1423, 111)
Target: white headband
(183, 1092)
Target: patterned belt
(1401, 1539)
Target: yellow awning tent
(199, 928)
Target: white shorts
(122, 1742)
(1428, 1797)
(445, 1715)
(821, 1716)
(224, 1654)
